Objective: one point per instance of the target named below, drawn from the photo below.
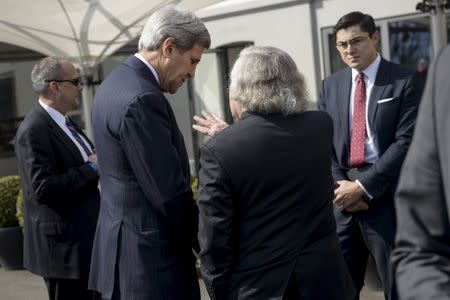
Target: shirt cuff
(369, 195)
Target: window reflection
(410, 44)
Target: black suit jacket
(61, 199)
(148, 217)
(266, 221)
(422, 254)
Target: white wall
(328, 12)
(288, 28)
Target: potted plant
(11, 236)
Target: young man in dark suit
(148, 219)
(373, 104)
(58, 172)
(422, 253)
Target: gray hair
(266, 80)
(46, 69)
(183, 26)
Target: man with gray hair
(148, 219)
(58, 173)
(266, 226)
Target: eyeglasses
(356, 41)
(75, 81)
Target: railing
(8, 129)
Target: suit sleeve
(147, 133)
(215, 225)
(387, 168)
(422, 254)
(338, 172)
(38, 167)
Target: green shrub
(9, 189)
(19, 208)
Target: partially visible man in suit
(373, 104)
(58, 172)
(148, 219)
(422, 253)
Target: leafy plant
(19, 208)
(9, 189)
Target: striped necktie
(76, 135)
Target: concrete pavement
(22, 285)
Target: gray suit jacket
(148, 218)
(422, 254)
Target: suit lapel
(61, 135)
(345, 87)
(377, 91)
(143, 71)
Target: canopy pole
(87, 94)
(438, 27)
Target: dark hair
(364, 21)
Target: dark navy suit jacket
(148, 218)
(61, 199)
(392, 122)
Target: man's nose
(350, 48)
(191, 73)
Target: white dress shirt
(60, 119)
(148, 65)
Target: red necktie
(358, 123)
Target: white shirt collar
(371, 71)
(58, 117)
(148, 65)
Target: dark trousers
(361, 236)
(69, 289)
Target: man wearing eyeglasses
(58, 173)
(373, 104)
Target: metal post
(87, 105)
(86, 74)
(438, 26)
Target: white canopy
(85, 31)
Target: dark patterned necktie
(359, 123)
(76, 135)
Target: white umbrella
(85, 31)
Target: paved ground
(22, 285)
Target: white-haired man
(148, 218)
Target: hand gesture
(209, 124)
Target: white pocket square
(385, 100)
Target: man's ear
(376, 37)
(168, 46)
(53, 87)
